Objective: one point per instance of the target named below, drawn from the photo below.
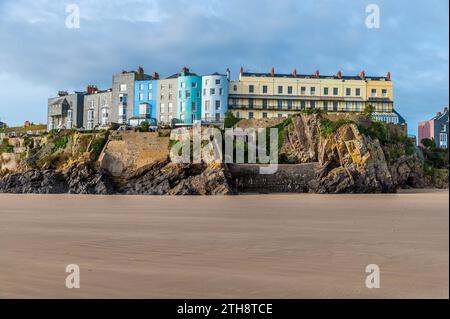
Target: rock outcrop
(351, 162)
(80, 178)
(163, 177)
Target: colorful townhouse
(167, 100)
(97, 108)
(189, 97)
(145, 97)
(214, 97)
(265, 95)
(435, 129)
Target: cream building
(259, 95)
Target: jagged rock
(407, 172)
(164, 177)
(82, 178)
(34, 181)
(351, 163)
(78, 179)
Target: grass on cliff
(329, 127)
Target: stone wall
(292, 178)
(128, 151)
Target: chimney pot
(388, 76)
(272, 72)
(317, 74)
(339, 74)
(294, 72)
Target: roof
(313, 76)
(59, 101)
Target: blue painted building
(189, 97)
(144, 109)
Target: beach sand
(249, 246)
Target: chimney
(317, 74)
(438, 114)
(184, 70)
(294, 72)
(272, 72)
(91, 89)
(362, 75)
(388, 76)
(228, 74)
(445, 109)
(62, 93)
(140, 70)
(155, 76)
(339, 74)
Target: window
(280, 89)
(161, 108)
(280, 104)
(358, 106)
(179, 94)
(183, 85)
(348, 106)
(170, 95)
(150, 86)
(163, 86)
(212, 91)
(373, 92)
(197, 94)
(217, 105)
(325, 105)
(207, 82)
(384, 93)
(123, 87)
(264, 114)
(194, 107)
(312, 104)
(280, 115)
(182, 107)
(289, 89)
(384, 107)
(105, 117)
(303, 90)
(250, 115)
(335, 106)
(221, 91)
(141, 86)
(204, 92)
(188, 94)
(144, 109)
(217, 117)
(289, 104)
(250, 103)
(170, 107)
(207, 105)
(194, 84)
(150, 95)
(141, 96)
(325, 91)
(335, 91)
(302, 104)
(162, 119)
(264, 104)
(313, 90)
(217, 81)
(251, 88)
(264, 89)
(348, 91)
(238, 115)
(235, 89)
(170, 86)
(358, 92)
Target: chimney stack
(294, 72)
(317, 74)
(155, 76)
(362, 75)
(140, 70)
(388, 76)
(272, 72)
(62, 93)
(91, 89)
(184, 70)
(339, 74)
(228, 74)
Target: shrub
(144, 127)
(97, 147)
(230, 120)
(60, 143)
(428, 143)
(376, 130)
(329, 127)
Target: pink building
(426, 130)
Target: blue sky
(40, 56)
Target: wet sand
(253, 246)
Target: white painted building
(214, 97)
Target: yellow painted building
(259, 95)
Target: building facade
(123, 94)
(145, 96)
(167, 100)
(97, 108)
(65, 111)
(189, 97)
(435, 129)
(214, 97)
(260, 95)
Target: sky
(40, 55)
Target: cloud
(210, 36)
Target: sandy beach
(252, 246)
